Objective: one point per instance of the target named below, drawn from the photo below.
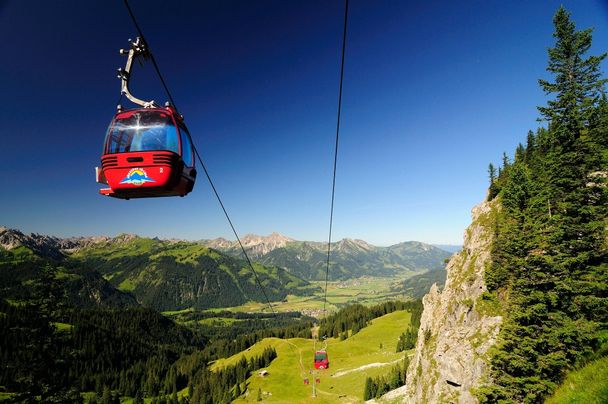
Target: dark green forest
(419, 285)
(378, 386)
(52, 351)
(408, 339)
(550, 267)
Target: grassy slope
(588, 385)
(343, 382)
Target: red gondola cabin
(321, 360)
(147, 153)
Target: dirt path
(343, 398)
(370, 365)
(302, 369)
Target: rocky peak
(10, 238)
(353, 244)
(255, 245)
(76, 243)
(218, 243)
(44, 246)
(260, 245)
(124, 238)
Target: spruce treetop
(578, 85)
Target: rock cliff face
(259, 245)
(256, 246)
(458, 326)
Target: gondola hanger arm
(138, 50)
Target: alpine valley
(127, 317)
(518, 314)
(169, 275)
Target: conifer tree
(530, 146)
(578, 83)
(491, 173)
(367, 392)
(106, 397)
(549, 254)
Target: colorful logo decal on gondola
(137, 177)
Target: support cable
(333, 185)
(143, 38)
(217, 195)
(257, 278)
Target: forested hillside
(51, 350)
(171, 275)
(419, 285)
(54, 352)
(550, 257)
(20, 265)
(526, 300)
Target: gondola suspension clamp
(138, 50)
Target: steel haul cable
(211, 181)
(143, 38)
(233, 229)
(257, 278)
(333, 185)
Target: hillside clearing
(587, 385)
(350, 362)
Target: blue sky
(433, 92)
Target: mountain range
(177, 274)
(131, 270)
(350, 258)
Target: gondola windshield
(147, 131)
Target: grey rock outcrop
(457, 327)
(260, 245)
(256, 246)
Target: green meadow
(588, 385)
(369, 353)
